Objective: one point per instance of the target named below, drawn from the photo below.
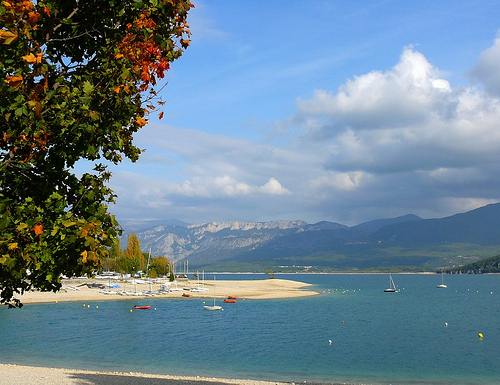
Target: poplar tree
(133, 254)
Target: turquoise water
(377, 337)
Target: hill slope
(408, 241)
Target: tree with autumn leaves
(77, 80)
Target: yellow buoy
(97, 307)
(83, 305)
(480, 335)
(131, 310)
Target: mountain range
(407, 243)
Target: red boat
(142, 307)
(229, 300)
(230, 297)
(186, 295)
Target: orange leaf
(14, 81)
(30, 59)
(7, 37)
(140, 121)
(160, 115)
(38, 229)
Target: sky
(343, 111)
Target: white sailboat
(214, 306)
(392, 286)
(442, 285)
(200, 287)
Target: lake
(421, 335)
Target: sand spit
(98, 290)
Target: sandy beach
(33, 375)
(98, 290)
(95, 290)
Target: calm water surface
(421, 335)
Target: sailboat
(199, 287)
(442, 285)
(392, 286)
(214, 306)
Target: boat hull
(212, 308)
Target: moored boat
(442, 285)
(392, 286)
(145, 307)
(214, 306)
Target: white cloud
(406, 95)
(487, 69)
(404, 119)
(273, 187)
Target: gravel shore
(34, 375)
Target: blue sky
(323, 110)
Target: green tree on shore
(77, 80)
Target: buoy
(446, 324)
(88, 306)
(131, 310)
(480, 335)
(330, 341)
(97, 306)
(83, 305)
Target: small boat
(231, 297)
(442, 285)
(392, 286)
(186, 295)
(214, 306)
(229, 300)
(137, 307)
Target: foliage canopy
(77, 80)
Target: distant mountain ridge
(293, 245)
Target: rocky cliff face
(213, 241)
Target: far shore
(82, 289)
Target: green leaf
(88, 88)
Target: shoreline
(14, 374)
(83, 289)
